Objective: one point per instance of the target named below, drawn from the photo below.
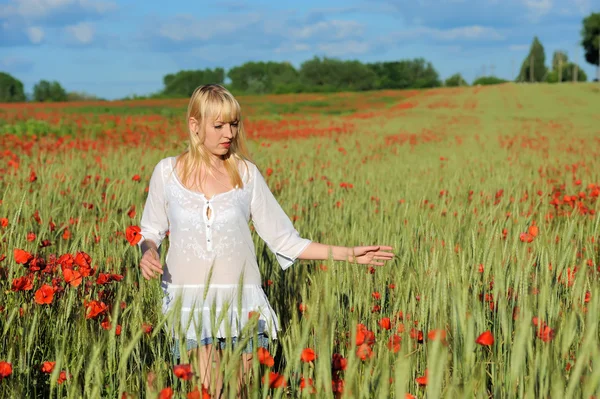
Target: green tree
(488, 80)
(183, 83)
(264, 77)
(536, 59)
(49, 91)
(563, 70)
(455, 81)
(331, 74)
(591, 39)
(416, 73)
(11, 89)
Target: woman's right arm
(154, 224)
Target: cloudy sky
(118, 48)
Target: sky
(114, 49)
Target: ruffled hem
(220, 311)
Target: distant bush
(455, 81)
(488, 80)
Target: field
(488, 195)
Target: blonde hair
(208, 102)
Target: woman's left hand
(370, 255)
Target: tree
(49, 91)
(264, 77)
(11, 89)
(330, 74)
(534, 65)
(591, 39)
(416, 73)
(455, 80)
(488, 80)
(183, 83)
(563, 70)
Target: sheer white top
(222, 241)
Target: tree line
(333, 75)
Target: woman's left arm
(369, 255)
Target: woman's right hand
(150, 264)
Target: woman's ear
(193, 125)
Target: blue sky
(118, 48)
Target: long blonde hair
(214, 101)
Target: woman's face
(219, 135)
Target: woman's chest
(194, 209)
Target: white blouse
(222, 241)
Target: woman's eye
(234, 124)
(218, 127)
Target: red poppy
(22, 284)
(416, 334)
(3, 222)
(308, 355)
(44, 295)
(437, 334)
(166, 393)
(338, 362)
(385, 323)
(196, 394)
(5, 369)
(422, 381)
(526, 237)
(394, 343)
(364, 352)
(486, 339)
(62, 377)
(183, 371)
(72, 277)
(275, 380)
(48, 367)
(94, 309)
(22, 257)
(264, 357)
(132, 233)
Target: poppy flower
(132, 233)
(486, 339)
(62, 377)
(394, 343)
(338, 362)
(264, 357)
(364, 352)
(44, 295)
(437, 334)
(422, 381)
(48, 367)
(385, 323)
(183, 371)
(22, 284)
(276, 380)
(72, 277)
(196, 394)
(5, 369)
(166, 393)
(526, 237)
(308, 355)
(22, 257)
(94, 309)
(533, 230)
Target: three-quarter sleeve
(155, 224)
(273, 225)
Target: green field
(453, 179)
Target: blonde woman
(205, 198)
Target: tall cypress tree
(536, 59)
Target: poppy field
(488, 195)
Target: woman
(205, 199)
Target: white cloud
(344, 48)
(337, 29)
(82, 32)
(187, 28)
(471, 33)
(35, 34)
(538, 8)
(292, 48)
(32, 10)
